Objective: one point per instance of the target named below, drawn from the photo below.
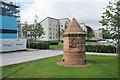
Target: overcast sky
(85, 11)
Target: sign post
(28, 38)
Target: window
(50, 37)
(53, 29)
(61, 25)
(50, 33)
(49, 28)
(53, 33)
(56, 25)
(53, 37)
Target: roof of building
(74, 28)
(64, 18)
(53, 18)
(50, 18)
(7, 2)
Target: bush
(101, 48)
(39, 45)
(54, 42)
(90, 40)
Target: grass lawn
(56, 46)
(103, 67)
(0, 72)
(90, 43)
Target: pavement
(30, 55)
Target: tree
(35, 29)
(106, 34)
(111, 19)
(25, 29)
(90, 32)
(60, 32)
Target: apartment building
(98, 35)
(83, 26)
(51, 28)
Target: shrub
(101, 48)
(54, 42)
(39, 45)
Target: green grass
(0, 72)
(90, 43)
(56, 46)
(102, 67)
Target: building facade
(52, 28)
(9, 27)
(83, 26)
(98, 35)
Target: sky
(85, 11)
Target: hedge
(53, 42)
(42, 45)
(100, 48)
(90, 40)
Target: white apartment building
(63, 22)
(98, 35)
(51, 27)
(83, 26)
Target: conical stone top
(74, 28)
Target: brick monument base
(87, 63)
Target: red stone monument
(74, 46)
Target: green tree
(25, 29)
(111, 19)
(106, 33)
(90, 32)
(36, 28)
(60, 32)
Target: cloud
(85, 11)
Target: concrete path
(24, 56)
(19, 57)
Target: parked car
(102, 43)
(111, 42)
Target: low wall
(7, 45)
